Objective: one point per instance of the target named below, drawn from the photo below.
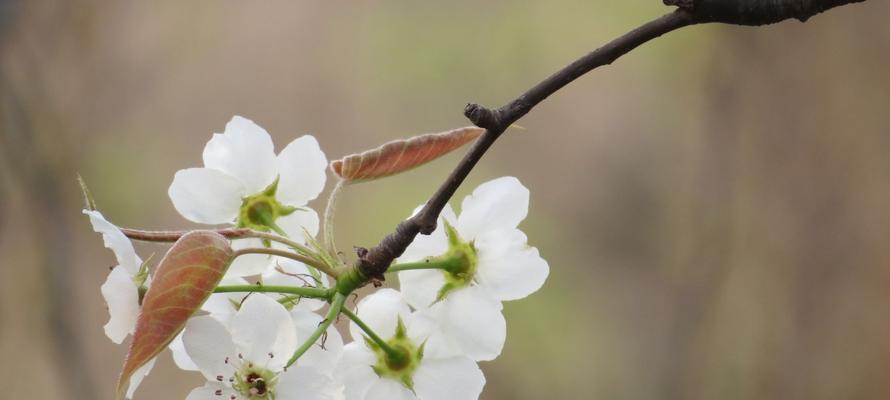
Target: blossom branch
(374, 262)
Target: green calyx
(458, 263)
(141, 278)
(400, 359)
(259, 211)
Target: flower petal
(116, 241)
(388, 389)
(301, 383)
(180, 357)
(467, 322)
(508, 268)
(380, 311)
(138, 376)
(209, 345)
(302, 168)
(298, 223)
(122, 297)
(321, 358)
(245, 151)
(249, 264)
(499, 203)
(354, 370)
(213, 391)
(421, 286)
(222, 306)
(456, 378)
(262, 327)
(206, 196)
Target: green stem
(447, 264)
(293, 256)
(336, 307)
(299, 291)
(329, 210)
(390, 351)
(277, 238)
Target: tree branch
(755, 12)
(372, 263)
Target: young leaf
(401, 155)
(184, 279)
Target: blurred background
(714, 205)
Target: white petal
(508, 268)
(321, 359)
(354, 370)
(138, 376)
(116, 241)
(457, 378)
(302, 383)
(180, 357)
(296, 274)
(263, 326)
(122, 297)
(431, 245)
(209, 392)
(298, 223)
(206, 196)
(302, 168)
(468, 322)
(223, 306)
(249, 264)
(421, 286)
(388, 389)
(209, 345)
(496, 204)
(245, 151)
(380, 311)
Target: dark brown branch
(755, 12)
(373, 262)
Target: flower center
(254, 382)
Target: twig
(372, 263)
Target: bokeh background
(714, 206)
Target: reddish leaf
(401, 155)
(185, 277)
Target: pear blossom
(461, 309)
(246, 358)
(121, 289)
(244, 183)
(367, 374)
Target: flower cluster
(261, 336)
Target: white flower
(243, 182)
(246, 358)
(497, 265)
(121, 288)
(368, 375)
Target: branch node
(481, 116)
